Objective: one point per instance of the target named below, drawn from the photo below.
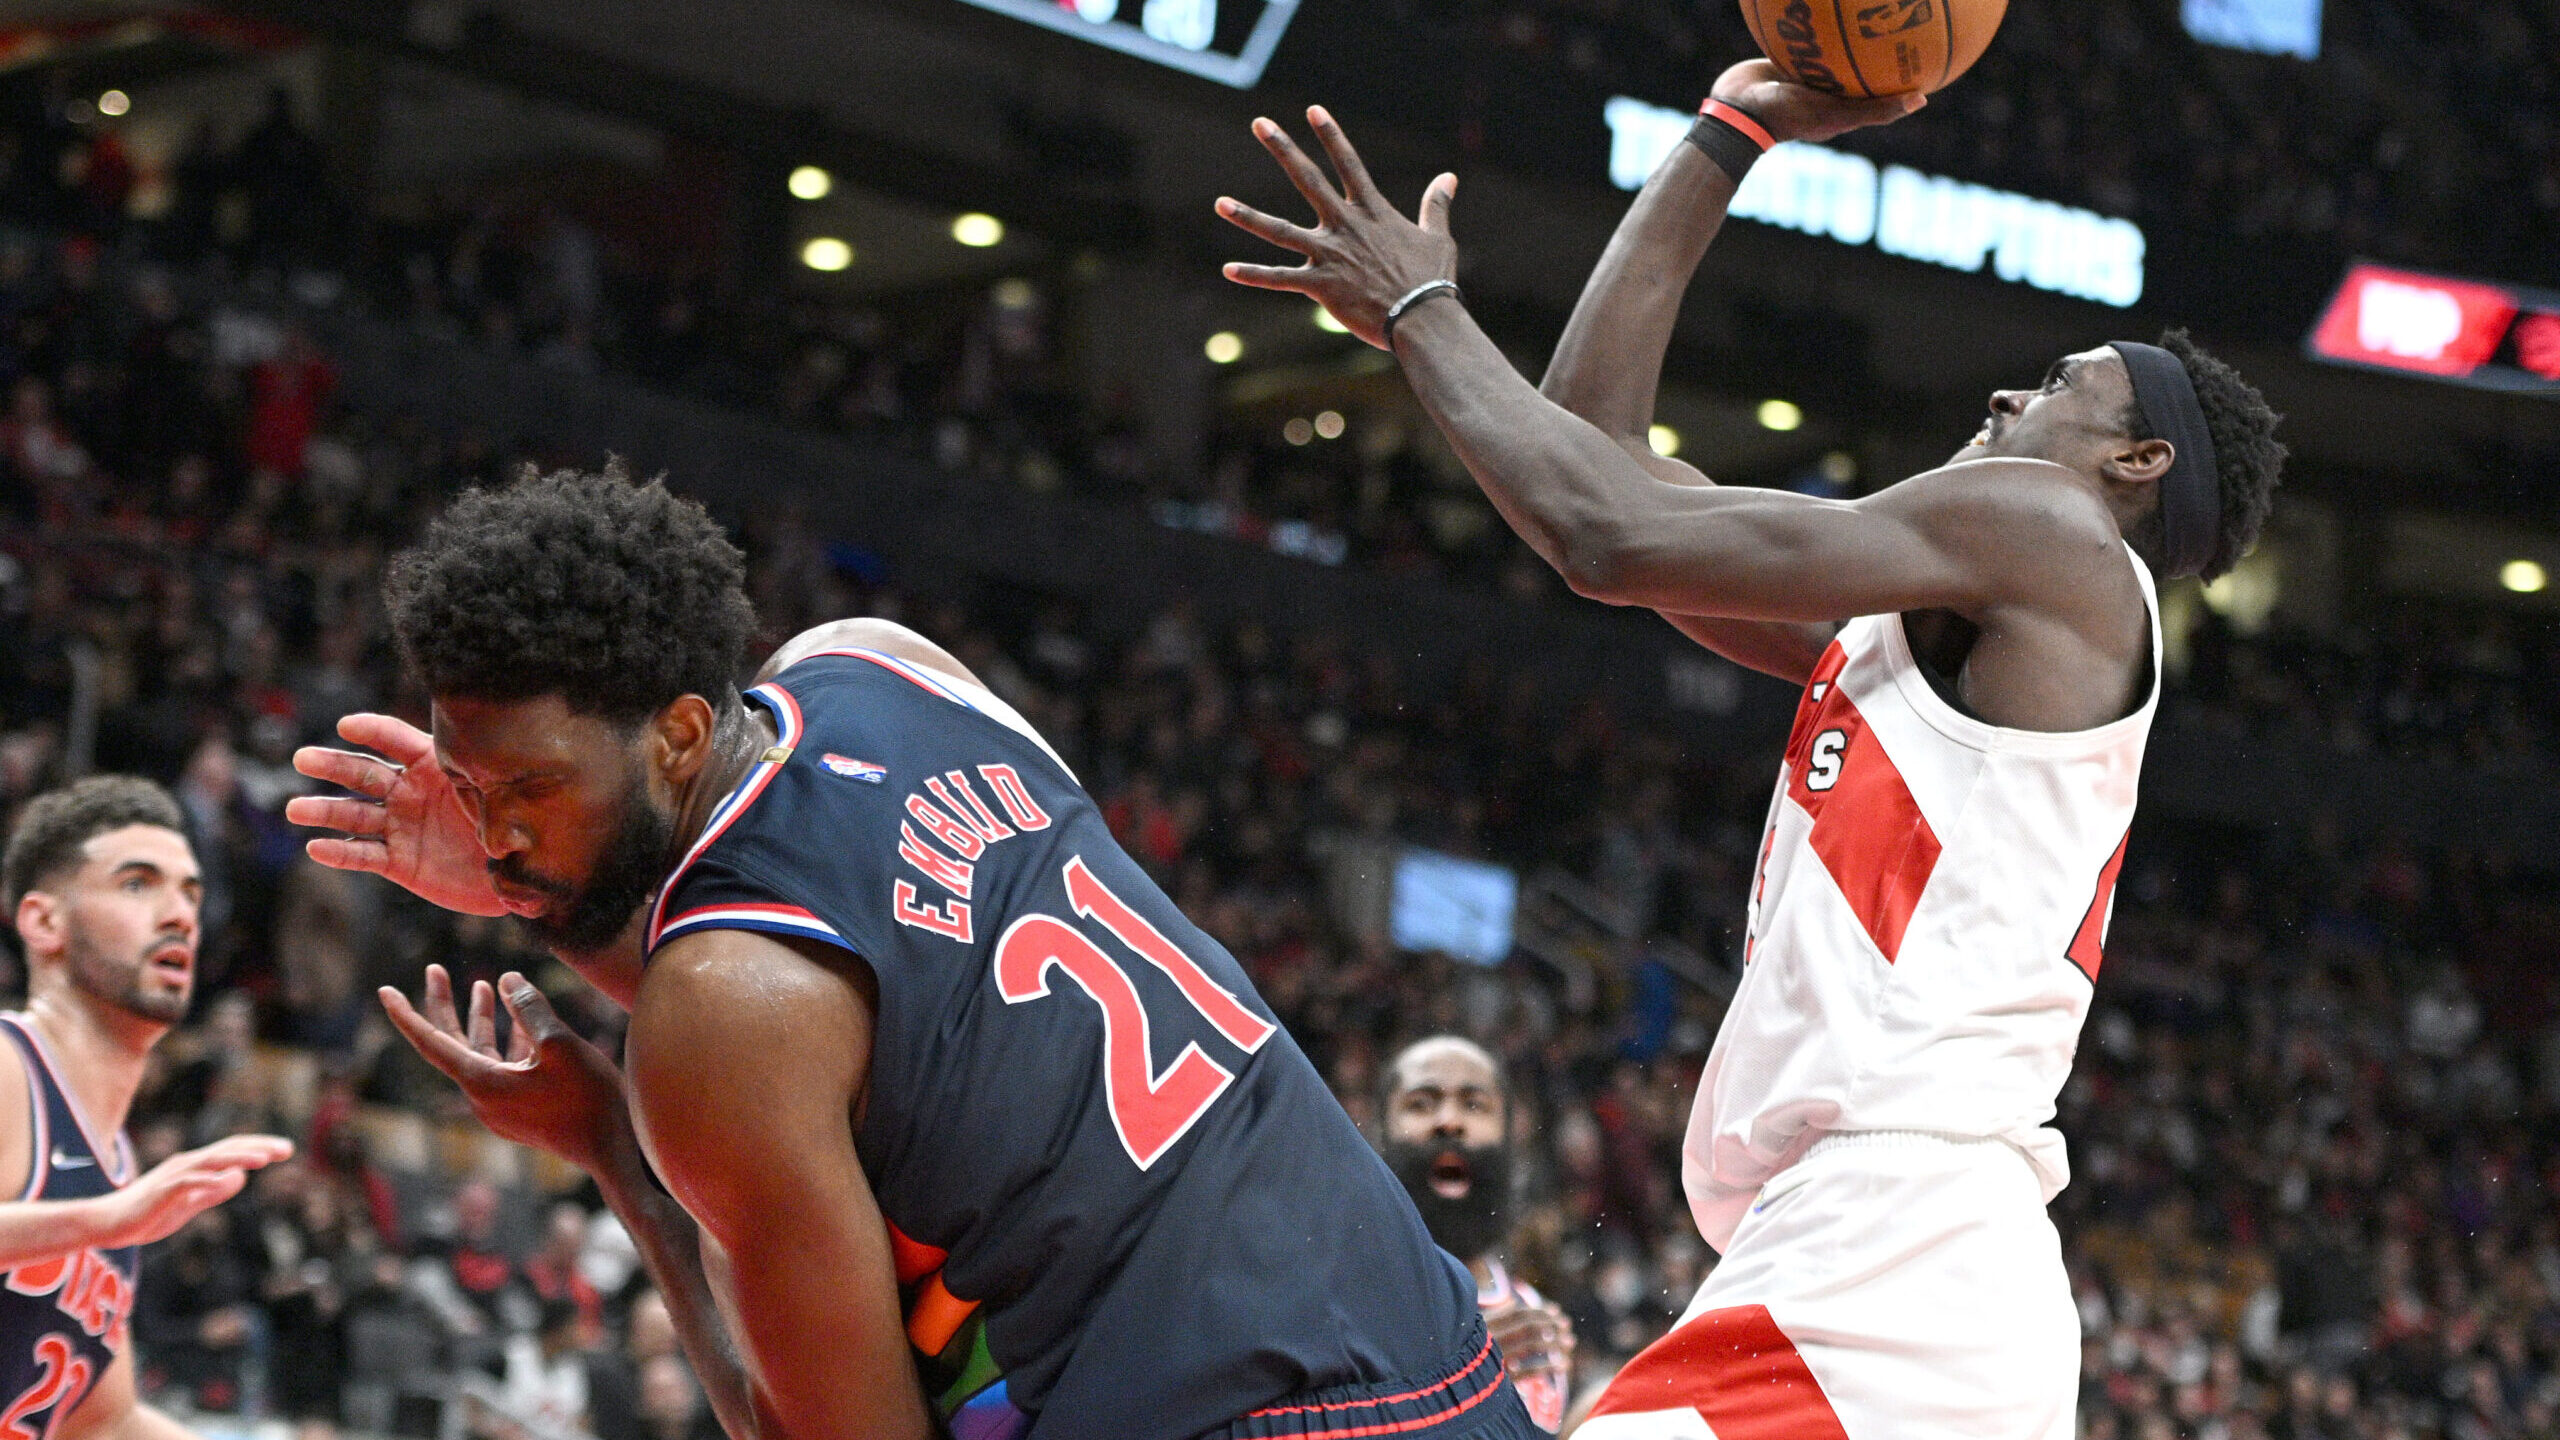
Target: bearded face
(122, 925)
(581, 919)
(1448, 1138)
(152, 984)
(1463, 1191)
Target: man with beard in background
(1447, 1124)
(104, 890)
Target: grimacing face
(124, 923)
(576, 840)
(2077, 418)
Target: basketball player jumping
(909, 1030)
(1980, 652)
(102, 884)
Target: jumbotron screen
(1229, 43)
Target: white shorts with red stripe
(1889, 1284)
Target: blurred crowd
(2314, 1124)
(2424, 132)
(2385, 145)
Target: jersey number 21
(1150, 1111)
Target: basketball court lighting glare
(1298, 431)
(114, 102)
(1664, 440)
(809, 182)
(1780, 415)
(2524, 577)
(1224, 348)
(826, 253)
(1326, 323)
(978, 231)
(1329, 425)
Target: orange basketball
(1874, 47)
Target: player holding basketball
(909, 1031)
(102, 885)
(1980, 652)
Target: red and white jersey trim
(785, 919)
(1929, 914)
(788, 727)
(778, 919)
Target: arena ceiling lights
(1230, 47)
(1901, 211)
(2479, 333)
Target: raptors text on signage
(1845, 197)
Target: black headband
(2191, 493)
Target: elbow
(1594, 558)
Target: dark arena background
(921, 297)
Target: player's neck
(100, 1052)
(742, 740)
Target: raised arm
(748, 1059)
(1965, 538)
(1608, 366)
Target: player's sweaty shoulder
(2033, 529)
(733, 1022)
(864, 633)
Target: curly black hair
(614, 595)
(46, 840)
(2245, 447)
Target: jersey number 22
(1149, 1111)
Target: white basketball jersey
(1925, 926)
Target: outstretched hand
(1363, 255)
(1791, 111)
(404, 822)
(549, 1088)
(184, 1186)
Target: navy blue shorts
(1467, 1399)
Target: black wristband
(1420, 293)
(1724, 143)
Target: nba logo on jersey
(853, 769)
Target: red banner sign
(2478, 332)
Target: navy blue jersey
(62, 1319)
(1125, 1206)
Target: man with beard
(104, 890)
(949, 1085)
(1447, 1136)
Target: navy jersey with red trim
(1125, 1205)
(63, 1318)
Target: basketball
(1874, 47)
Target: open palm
(403, 822)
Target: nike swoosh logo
(62, 1161)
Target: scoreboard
(1229, 43)
(2472, 332)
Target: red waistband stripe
(1403, 1412)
